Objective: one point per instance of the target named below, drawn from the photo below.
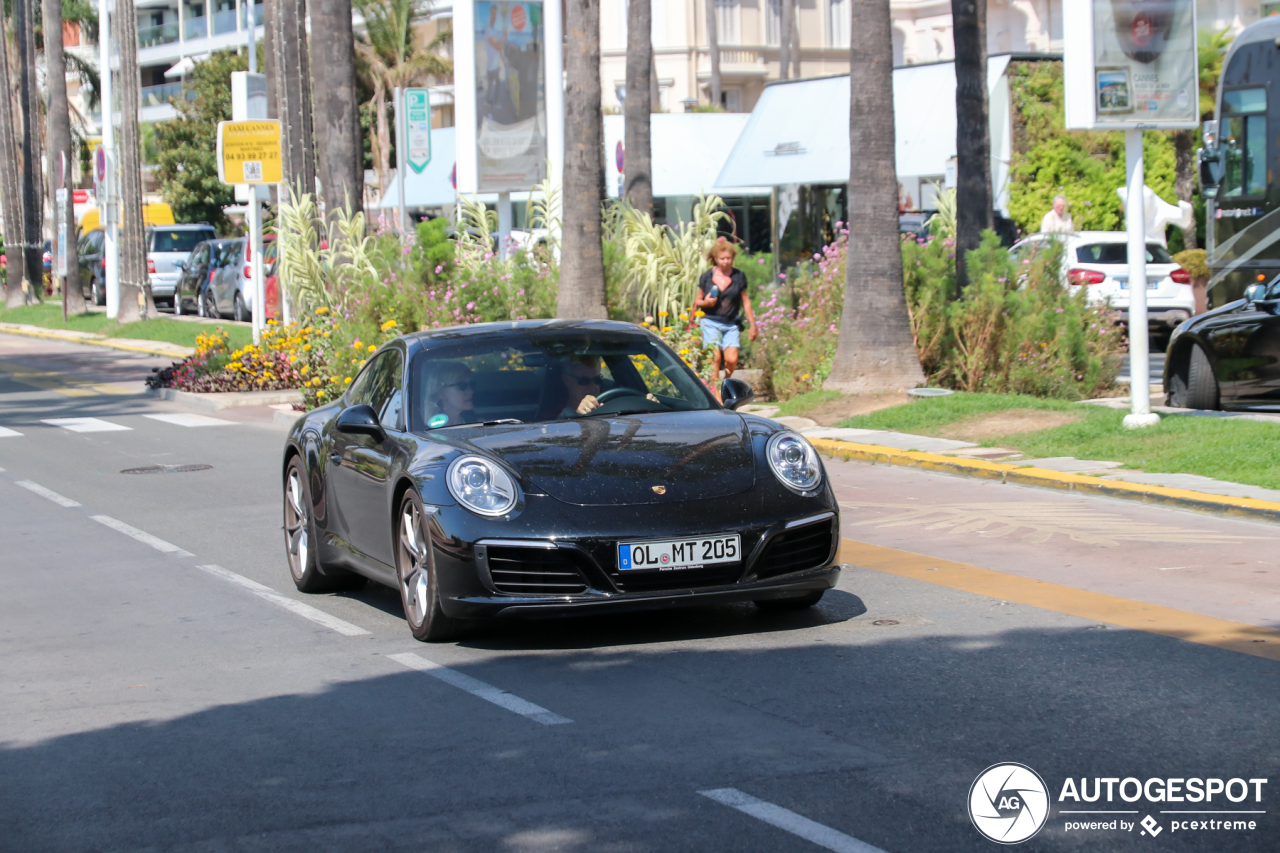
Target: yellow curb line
(97, 342)
(1031, 476)
(1094, 606)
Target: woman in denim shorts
(722, 295)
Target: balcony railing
(155, 35)
(158, 96)
(197, 28)
(224, 22)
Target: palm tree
(875, 352)
(59, 137)
(391, 57)
(639, 106)
(291, 65)
(713, 50)
(582, 256)
(973, 132)
(10, 183)
(333, 94)
(786, 19)
(133, 249)
(32, 174)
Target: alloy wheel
(295, 533)
(414, 578)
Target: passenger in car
(449, 397)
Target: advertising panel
(510, 106)
(1131, 63)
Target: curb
(126, 344)
(1029, 476)
(218, 400)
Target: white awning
(689, 150)
(799, 131)
(182, 67)
(433, 186)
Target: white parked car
(1099, 260)
(166, 245)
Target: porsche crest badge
(661, 490)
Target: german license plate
(691, 553)
(1151, 285)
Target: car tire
(177, 304)
(97, 292)
(210, 304)
(1202, 385)
(239, 312)
(416, 574)
(799, 602)
(300, 541)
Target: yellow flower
(806, 376)
(663, 313)
(333, 379)
(306, 347)
(702, 313)
(271, 322)
(348, 381)
(684, 316)
(326, 334)
(390, 324)
(372, 347)
(363, 362)
(305, 370)
(322, 310)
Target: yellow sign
(249, 152)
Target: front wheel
(177, 303)
(799, 602)
(98, 292)
(1202, 385)
(210, 304)
(300, 541)
(416, 571)
(238, 310)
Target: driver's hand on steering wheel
(588, 404)
(651, 398)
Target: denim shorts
(725, 336)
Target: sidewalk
(1189, 491)
(160, 348)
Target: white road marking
(45, 493)
(306, 611)
(186, 419)
(784, 819)
(7, 433)
(476, 687)
(141, 535)
(85, 424)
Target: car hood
(626, 459)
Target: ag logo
(1008, 803)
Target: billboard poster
(1144, 62)
(510, 105)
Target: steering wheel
(615, 393)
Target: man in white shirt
(1057, 221)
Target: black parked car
(93, 271)
(194, 276)
(1228, 358)
(552, 467)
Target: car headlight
(481, 486)
(794, 461)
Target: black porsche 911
(1228, 358)
(552, 467)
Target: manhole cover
(166, 469)
(885, 622)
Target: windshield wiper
(502, 421)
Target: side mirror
(1255, 292)
(735, 393)
(360, 420)
(179, 265)
(1210, 160)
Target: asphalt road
(164, 687)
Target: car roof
(453, 334)
(182, 226)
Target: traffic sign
(620, 155)
(417, 114)
(249, 152)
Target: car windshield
(176, 241)
(532, 376)
(1118, 253)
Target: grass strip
(1231, 449)
(48, 315)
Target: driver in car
(582, 380)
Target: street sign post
(417, 112)
(249, 153)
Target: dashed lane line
(48, 494)
(789, 821)
(306, 611)
(141, 535)
(476, 687)
(8, 433)
(188, 419)
(85, 424)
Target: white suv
(1099, 260)
(166, 245)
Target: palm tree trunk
(337, 112)
(795, 44)
(973, 132)
(639, 148)
(133, 250)
(875, 352)
(582, 256)
(384, 142)
(32, 174)
(10, 182)
(713, 51)
(59, 147)
(269, 71)
(786, 18)
(293, 94)
(1184, 176)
